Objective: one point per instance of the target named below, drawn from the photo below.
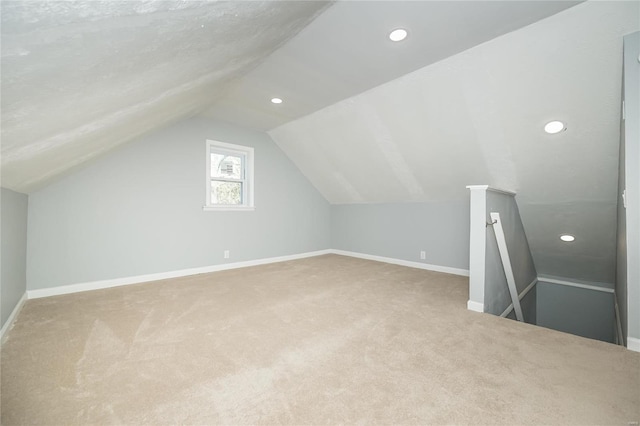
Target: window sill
(228, 208)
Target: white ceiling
(81, 77)
(477, 118)
(346, 51)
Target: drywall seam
(401, 262)
(117, 282)
(382, 137)
(520, 297)
(14, 314)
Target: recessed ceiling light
(554, 127)
(398, 35)
(567, 238)
(276, 100)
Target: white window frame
(247, 183)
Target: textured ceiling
(477, 118)
(80, 77)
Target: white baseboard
(401, 262)
(633, 344)
(117, 282)
(7, 325)
(475, 306)
(520, 297)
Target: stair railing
(506, 264)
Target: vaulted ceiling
(81, 77)
(477, 118)
(461, 101)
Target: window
(229, 177)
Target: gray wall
(621, 239)
(139, 211)
(628, 267)
(13, 236)
(496, 292)
(587, 313)
(402, 230)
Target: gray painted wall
(139, 211)
(402, 230)
(13, 236)
(621, 239)
(628, 267)
(587, 313)
(496, 293)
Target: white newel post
(477, 246)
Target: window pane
(226, 166)
(227, 193)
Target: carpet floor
(323, 340)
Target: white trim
(97, 285)
(633, 344)
(401, 262)
(14, 314)
(520, 297)
(117, 282)
(228, 208)
(506, 264)
(489, 188)
(477, 241)
(572, 284)
(475, 306)
(247, 178)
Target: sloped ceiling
(80, 77)
(346, 50)
(477, 118)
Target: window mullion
(226, 179)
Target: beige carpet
(324, 340)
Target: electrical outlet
(423, 255)
(226, 254)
